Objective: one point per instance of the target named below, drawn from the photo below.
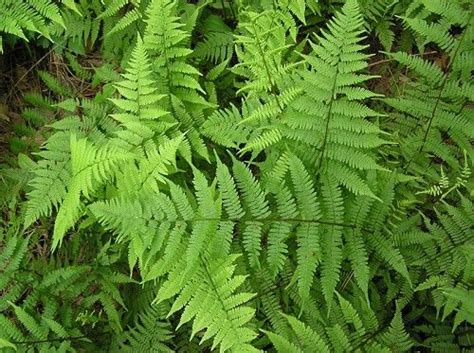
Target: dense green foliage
(240, 176)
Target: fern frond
(150, 333)
(165, 40)
(332, 211)
(29, 15)
(256, 206)
(29, 322)
(210, 300)
(216, 47)
(260, 49)
(48, 186)
(328, 109)
(89, 165)
(396, 337)
(140, 116)
(438, 98)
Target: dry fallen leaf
(4, 112)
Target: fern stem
(279, 220)
(266, 221)
(326, 129)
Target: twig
(29, 70)
(51, 340)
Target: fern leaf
(332, 207)
(90, 165)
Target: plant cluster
(241, 176)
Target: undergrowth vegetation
(236, 176)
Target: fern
(380, 17)
(166, 41)
(332, 240)
(139, 117)
(212, 302)
(347, 326)
(28, 15)
(396, 337)
(437, 103)
(216, 47)
(43, 308)
(453, 232)
(89, 166)
(132, 16)
(330, 119)
(149, 334)
(334, 105)
(49, 184)
(216, 176)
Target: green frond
(396, 337)
(54, 85)
(383, 246)
(72, 5)
(3, 342)
(89, 165)
(29, 322)
(352, 317)
(230, 197)
(213, 304)
(437, 99)
(165, 40)
(421, 67)
(308, 235)
(224, 127)
(345, 329)
(464, 297)
(325, 111)
(150, 333)
(125, 13)
(331, 238)
(256, 206)
(356, 250)
(282, 344)
(126, 21)
(24, 16)
(56, 327)
(277, 252)
(113, 8)
(203, 231)
(260, 47)
(216, 47)
(309, 339)
(389, 254)
(140, 115)
(48, 186)
(12, 254)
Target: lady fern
(222, 176)
(29, 15)
(437, 103)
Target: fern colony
(241, 176)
